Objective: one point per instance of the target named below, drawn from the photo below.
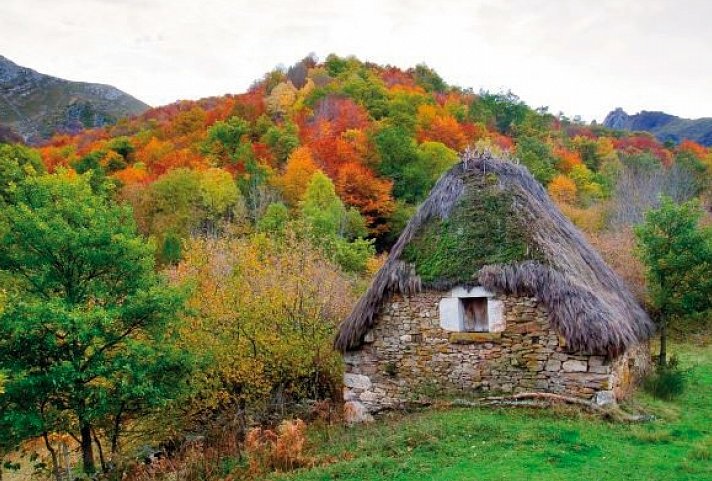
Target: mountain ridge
(665, 127)
(35, 106)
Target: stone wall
(408, 358)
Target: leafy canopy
(677, 254)
(84, 334)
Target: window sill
(474, 337)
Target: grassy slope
(483, 444)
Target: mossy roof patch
(482, 229)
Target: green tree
(282, 140)
(16, 163)
(688, 161)
(433, 159)
(677, 254)
(403, 110)
(336, 65)
(505, 111)
(321, 208)
(175, 202)
(538, 158)
(429, 79)
(367, 89)
(171, 249)
(84, 335)
(275, 218)
(218, 193)
(397, 150)
(337, 230)
(122, 146)
(229, 142)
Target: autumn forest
(179, 275)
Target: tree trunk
(662, 357)
(115, 433)
(53, 454)
(101, 452)
(87, 449)
(67, 462)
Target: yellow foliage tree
(562, 189)
(588, 189)
(218, 192)
(281, 98)
(298, 172)
(264, 313)
(426, 115)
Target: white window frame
(452, 312)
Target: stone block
(356, 413)
(535, 365)
(369, 397)
(553, 365)
(596, 360)
(605, 398)
(575, 366)
(474, 337)
(357, 381)
(600, 369)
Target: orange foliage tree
(563, 189)
(446, 130)
(566, 159)
(359, 187)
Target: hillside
(381, 134)
(36, 106)
(664, 127)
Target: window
(471, 310)
(474, 310)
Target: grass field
(524, 444)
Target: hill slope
(382, 135)
(663, 126)
(36, 106)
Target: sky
(580, 57)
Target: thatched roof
(589, 305)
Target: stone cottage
(490, 289)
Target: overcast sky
(577, 56)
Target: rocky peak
(616, 119)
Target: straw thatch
(589, 305)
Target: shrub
(262, 319)
(277, 450)
(666, 381)
(353, 256)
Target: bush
(277, 450)
(354, 256)
(666, 381)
